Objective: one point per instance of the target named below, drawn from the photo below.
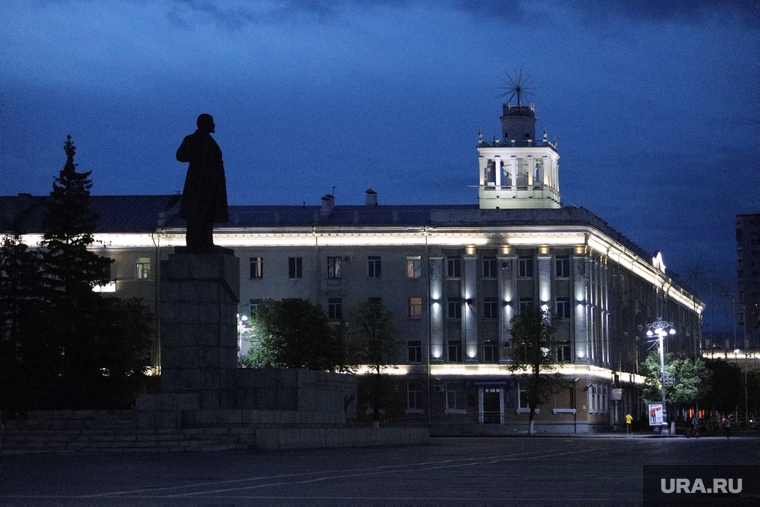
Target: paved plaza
(568, 471)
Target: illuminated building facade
(454, 276)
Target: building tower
(518, 171)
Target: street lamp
(660, 328)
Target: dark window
(454, 267)
(455, 308)
(490, 351)
(374, 267)
(489, 267)
(490, 308)
(562, 267)
(455, 351)
(563, 352)
(414, 395)
(335, 308)
(563, 307)
(525, 266)
(525, 302)
(295, 267)
(415, 351)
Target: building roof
(148, 213)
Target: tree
(73, 347)
(532, 355)
(725, 390)
(294, 333)
(689, 379)
(372, 338)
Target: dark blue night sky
(655, 105)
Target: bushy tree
(372, 341)
(690, 379)
(725, 390)
(294, 333)
(532, 353)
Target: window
(562, 267)
(490, 351)
(489, 267)
(455, 351)
(490, 308)
(415, 351)
(454, 267)
(143, 268)
(414, 396)
(563, 307)
(525, 267)
(333, 267)
(257, 268)
(335, 308)
(522, 395)
(455, 398)
(295, 267)
(373, 266)
(525, 302)
(415, 308)
(254, 306)
(455, 308)
(413, 267)
(563, 352)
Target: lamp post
(660, 328)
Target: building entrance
(492, 409)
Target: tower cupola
(518, 171)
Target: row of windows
(563, 352)
(413, 267)
(414, 308)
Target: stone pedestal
(199, 303)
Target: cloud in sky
(655, 105)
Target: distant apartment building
(748, 271)
(454, 276)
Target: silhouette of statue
(204, 198)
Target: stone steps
(14, 441)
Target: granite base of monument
(198, 318)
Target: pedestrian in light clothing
(628, 424)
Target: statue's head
(205, 123)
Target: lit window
(257, 267)
(334, 267)
(335, 308)
(413, 267)
(295, 267)
(415, 308)
(415, 351)
(454, 267)
(373, 266)
(143, 268)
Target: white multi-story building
(453, 275)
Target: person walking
(628, 424)
(695, 425)
(727, 425)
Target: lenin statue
(204, 198)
